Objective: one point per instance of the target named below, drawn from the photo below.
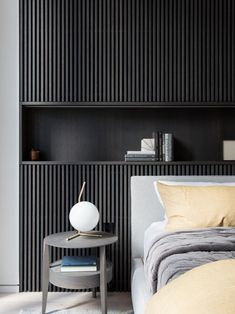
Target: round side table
(77, 280)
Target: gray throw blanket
(172, 254)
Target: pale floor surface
(30, 302)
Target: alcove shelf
(105, 134)
(129, 104)
(129, 163)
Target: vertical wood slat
(132, 50)
(49, 191)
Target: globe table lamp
(84, 217)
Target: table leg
(94, 292)
(45, 277)
(103, 280)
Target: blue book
(79, 263)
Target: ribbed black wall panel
(127, 51)
(48, 191)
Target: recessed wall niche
(102, 134)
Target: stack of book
(163, 146)
(140, 156)
(79, 263)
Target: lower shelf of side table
(77, 279)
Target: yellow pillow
(189, 207)
(207, 289)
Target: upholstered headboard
(145, 207)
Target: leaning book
(78, 263)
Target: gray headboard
(145, 207)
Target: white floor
(63, 303)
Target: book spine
(139, 159)
(75, 261)
(140, 155)
(172, 147)
(168, 147)
(77, 268)
(156, 145)
(160, 141)
(163, 146)
(140, 152)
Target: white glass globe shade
(84, 216)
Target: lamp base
(85, 234)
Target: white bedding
(152, 231)
(139, 293)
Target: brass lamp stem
(81, 192)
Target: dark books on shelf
(162, 149)
(78, 263)
(140, 156)
(163, 146)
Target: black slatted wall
(49, 191)
(113, 52)
(127, 51)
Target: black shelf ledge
(50, 162)
(110, 105)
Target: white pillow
(196, 183)
(154, 229)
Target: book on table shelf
(78, 263)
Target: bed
(146, 209)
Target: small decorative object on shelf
(84, 217)
(34, 154)
(228, 150)
(147, 144)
